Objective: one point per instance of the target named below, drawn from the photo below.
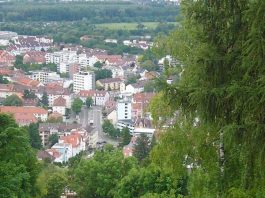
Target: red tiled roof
(91, 93)
(6, 87)
(54, 152)
(109, 80)
(142, 97)
(73, 139)
(13, 110)
(60, 101)
(6, 72)
(25, 118)
(26, 81)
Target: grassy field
(128, 26)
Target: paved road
(95, 114)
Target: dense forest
(215, 148)
(94, 12)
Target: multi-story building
(41, 76)
(61, 129)
(84, 81)
(111, 84)
(124, 109)
(100, 98)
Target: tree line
(93, 12)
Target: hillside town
(66, 74)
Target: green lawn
(128, 26)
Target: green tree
(77, 105)
(18, 164)
(12, 100)
(142, 147)
(98, 65)
(45, 99)
(89, 102)
(98, 177)
(53, 139)
(51, 66)
(103, 73)
(218, 98)
(18, 61)
(149, 65)
(56, 185)
(132, 79)
(34, 136)
(143, 181)
(64, 75)
(3, 80)
(125, 136)
(29, 94)
(108, 128)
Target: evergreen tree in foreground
(18, 164)
(220, 97)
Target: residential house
(54, 91)
(47, 129)
(140, 102)
(100, 98)
(44, 155)
(37, 112)
(6, 90)
(137, 87)
(76, 140)
(26, 81)
(143, 126)
(25, 119)
(34, 57)
(6, 58)
(61, 151)
(59, 105)
(111, 84)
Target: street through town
(94, 115)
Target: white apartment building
(62, 56)
(84, 81)
(83, 60)
(63, 67)
(124, 109)
(44, 76)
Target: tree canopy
(103, 73)
(108, 128)
(77, 105)
(18, 164)
(89, 102)
(12, 100)
(99, 176)
(219, 130)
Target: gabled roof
(73, 139)
(109, 80)
(92, 93)
(45, 155)
(60, 101)
(13, 110)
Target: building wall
(59, 109)
(124, 110)
(84, 81)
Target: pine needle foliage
(221, 45)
